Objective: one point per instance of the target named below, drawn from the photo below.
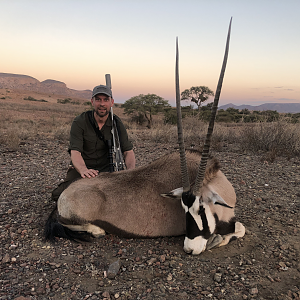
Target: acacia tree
(197, 94)
(147, 105)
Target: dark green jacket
(93, 150)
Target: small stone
(106, 295)
(218, 277)
(6, 258)
(162, 258)
(254, 291)
(113, 269)
(283, 266)
(151, 261)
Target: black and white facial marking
(200, 223)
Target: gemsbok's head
(201, 221)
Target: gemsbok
(155, 200)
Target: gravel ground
(262, 265)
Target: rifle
(116, 160)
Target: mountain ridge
(279, 107)
(25, 82)
(55, 87)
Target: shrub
(64, 101)
(67, 100)
(170, 116)
(164, 134)
(29, 98)
(10, 138)
(280, 138)
(138, 118)
(230, 115)
(88, 103)
(61, 132)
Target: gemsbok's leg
(94, 230)
(238, 233)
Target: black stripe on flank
(110, 228)
(224, 228)
(54, 229)
(192, 229)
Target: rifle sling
(97, 131)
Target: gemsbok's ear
(175, 194)
(215, 198)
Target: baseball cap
(102, 89)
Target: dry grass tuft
(10, 138)
(275, 138)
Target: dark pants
(72, 175)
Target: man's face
(102, 104)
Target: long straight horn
(183, 164)
(204, 158)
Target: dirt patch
(263, 265)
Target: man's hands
(89, 173)
(80, 166)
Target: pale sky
(79, 41)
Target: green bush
(230, 115)
(64, 101)
(170, 116)
(29, 98)
(69, 100)
(138, 118)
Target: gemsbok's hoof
(214, 241)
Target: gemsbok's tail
(54, 229)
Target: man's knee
(57, 191)
(72, 175)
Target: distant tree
(205, 112)
(232, 110)
(230, 115)
(245, 111)
(197, 94)
(257, 112)
(170, 116)
(147, 105)
(270, 115)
